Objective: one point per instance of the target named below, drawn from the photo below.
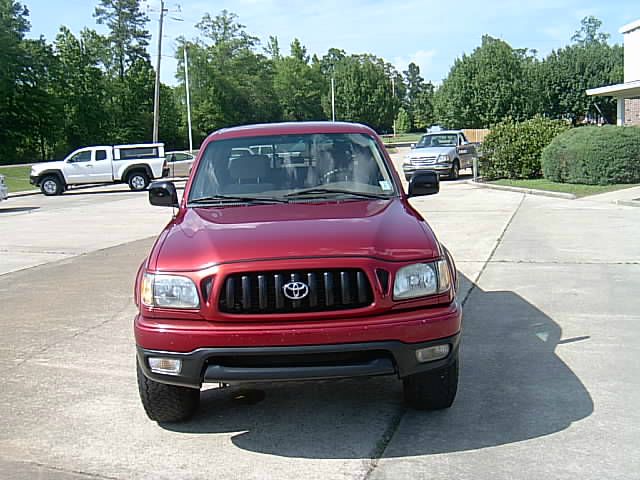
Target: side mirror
(163, 194)
(413, 145)
(424, 183)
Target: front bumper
(410, 169)
(308, 362)
(34, 180)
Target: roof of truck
(289, 128)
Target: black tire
(166, 403)
(434, 390)
(138, 180)
(51, 185)
(454, 173)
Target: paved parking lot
(550, 356)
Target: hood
(36, 168)
(420, 152)
(202, 237)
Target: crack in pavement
(394, 423)
(73, 472)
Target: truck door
(101, 170)
(465, 152)
(76, 167)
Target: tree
(363, 90)
(589, 32)
(419, 101)
(230, 83)
(298, 85)
(128, 37)
(487, 86)
(568, 72)
(403, 123)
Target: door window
(101, 155)
(84, 156)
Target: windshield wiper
(235, 199)
(320, 190)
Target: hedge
(594, 156)
(512, 150)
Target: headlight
(421, 279)
(168, 291)
(443, 158)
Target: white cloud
(422, 58)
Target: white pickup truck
(136, 165)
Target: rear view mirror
(163, 194)
(424, 183)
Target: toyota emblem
(295, 290)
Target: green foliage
(594, 155)
(567, 73)
(513, 149)
(403, 123)
(490, 84)
(419, 99)
(364, 91)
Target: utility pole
(393, 97)
(186, 82)
(156, 99)
(333, 99)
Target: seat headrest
(249, 166)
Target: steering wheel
(333, 175)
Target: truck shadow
(513, 387)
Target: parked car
(273, 270)
(4, 190)
(136, 165)
(180, 163)
(445, 151)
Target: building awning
(621, 90)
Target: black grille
(264, 292)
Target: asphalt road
(549, 384)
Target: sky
(430, 33)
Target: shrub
(513, 150)
(403, 122)
(594, 156)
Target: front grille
(264, 292)
(423, 161)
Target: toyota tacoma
(305, 262)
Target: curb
(528, 191)
(629, 203)
(24, 193)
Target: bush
(513, 150)
(594, 156)
(403, 122)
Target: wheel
(432, 390)
(138, 181)
(166, 403)
(51, 185)
(454, 173)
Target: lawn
(402, 138)
(17, 178)
(578, 190)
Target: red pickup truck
(302, 262)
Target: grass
(17, 178)
(579, 190)
(402, 138)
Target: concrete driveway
(549, 381)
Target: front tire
(138, 181)
(51, 186)
(166, 403)
(454, 173)
(434, 390)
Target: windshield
(316, 165)
(439, 140)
